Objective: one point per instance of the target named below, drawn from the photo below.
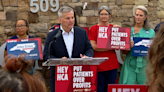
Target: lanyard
(133, 36)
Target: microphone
(57, 35)
(55, 38)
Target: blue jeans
(105, 78)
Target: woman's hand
(116, 26)
(131, 43)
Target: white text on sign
(116, 37)
(62, 73)
(125, 90)
(79, 77)
(103, 32)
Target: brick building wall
(122, 14)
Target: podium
(74, 61)
(75, 74)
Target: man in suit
(72, 43)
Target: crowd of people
(18, 74)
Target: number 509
(34, 3)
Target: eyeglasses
(20, 26)
(104, 14)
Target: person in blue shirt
(21, 30)
(158, 26)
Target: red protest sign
(76, 78)
(63, 78)
(127, 88)
(113, 37)
(103, 36)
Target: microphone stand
(55, 38)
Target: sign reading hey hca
(76, 78)
(141, 46)
(32, 47)
(127, 88)
(113, 37)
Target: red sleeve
(93, 33)
(111, 25)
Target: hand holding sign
(141, 46)
(131, 44)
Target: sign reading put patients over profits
(31, 47)
(141, 46)
(113, 37)
(76, 78)
(127, 88)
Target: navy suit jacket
(58, 49)
(81, 45)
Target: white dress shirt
(68, 40)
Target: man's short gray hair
(104, 8)
(64, 9)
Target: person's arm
(5, 53)
(88, 48)
(46, 47)
(116, 26)
(94, 46)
